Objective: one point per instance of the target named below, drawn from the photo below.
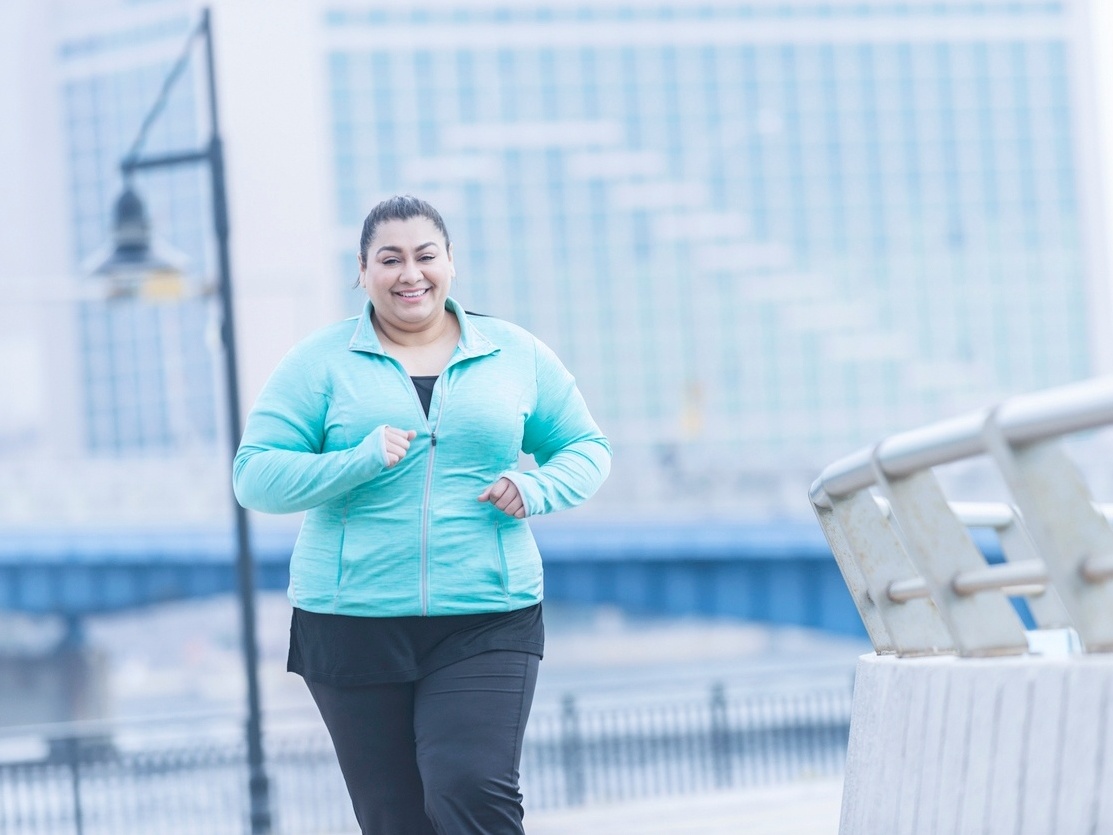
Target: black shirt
(349, 650)
(424, 388)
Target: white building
(760, 232)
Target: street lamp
(134, 264)
(135, 267)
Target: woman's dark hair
(399, 207)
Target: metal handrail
(1027, 578)
(1022, 420)
(920, 583)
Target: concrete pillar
(1019, 745)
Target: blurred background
(761, 233)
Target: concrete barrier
(1020, 745)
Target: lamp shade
(134, 263)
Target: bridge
(776, 572)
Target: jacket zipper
(427, 503)
(428, 496)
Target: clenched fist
(396, 443)
(504, 495)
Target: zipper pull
(434, 438)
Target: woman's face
(407, 272)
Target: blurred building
(761, 233)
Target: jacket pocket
(340, 563)
(503, 569)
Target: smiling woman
(416, 581)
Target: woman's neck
(429, 335)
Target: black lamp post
(133, 265)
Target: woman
(415, 580)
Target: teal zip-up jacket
(413, 539)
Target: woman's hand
(504, 495)
(396, 443)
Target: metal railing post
(73, 757)
(940, 547)
(572, 752)
(721, 752)
(1064, 525)
(916, 627)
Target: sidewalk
(801, 808)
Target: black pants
(438, 756)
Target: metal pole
(73, 749)
(721, 764)
(572, 752)
(257, 781)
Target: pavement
(808, 807)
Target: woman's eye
(428, 257)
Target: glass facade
(146, 369)
(755, 232)
(761, 233)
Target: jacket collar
(473, 342)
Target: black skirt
(349, 650)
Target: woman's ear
(360, 274)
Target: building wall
(34, 238)
(760, 233)
(731, 223)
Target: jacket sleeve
(573, 455)
(280, 466)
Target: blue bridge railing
(778, 572)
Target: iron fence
(125, 783)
